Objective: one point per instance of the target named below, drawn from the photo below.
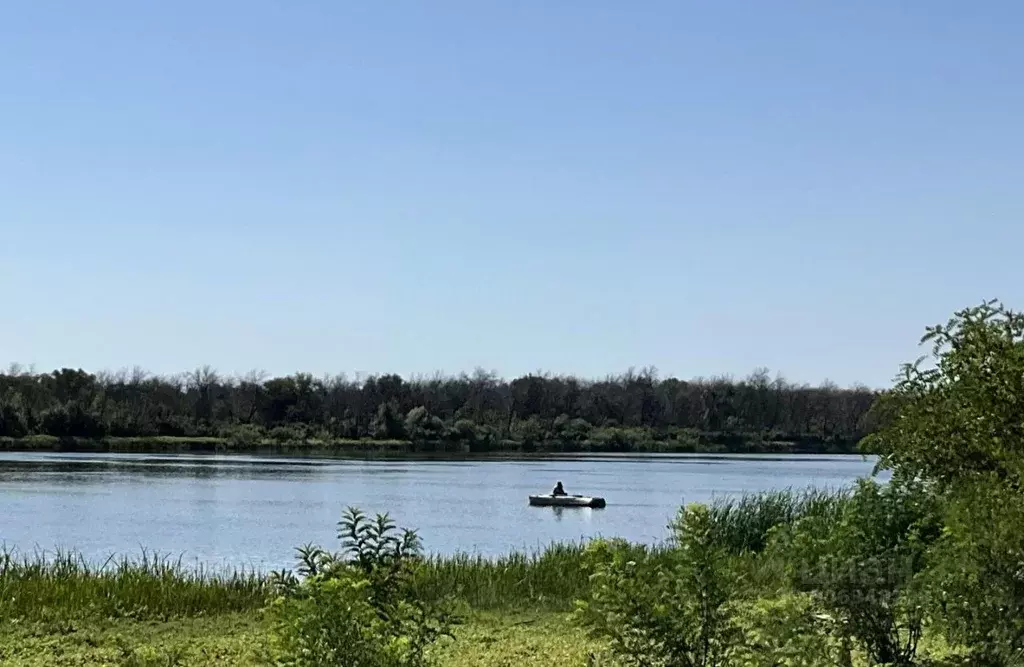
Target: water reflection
(583, 514)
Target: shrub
(529, 432)
(665, 607)
(571, 430)
(242, 435)
(421, 426)
(866, 564)
(290, 433)
(785, 631)
(978, 573)
(72, 420)
(357, 607)
(477, 437)
(957, 424)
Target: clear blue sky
(577, 187)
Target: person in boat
(558, 490)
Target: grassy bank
(153, 612)
(44, 588)
(690, 442)
(242, 640)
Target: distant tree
(420, 425)
(12, 420)
(201, 402)
(388, 424)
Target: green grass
(65, 585)
(519, 640)
(152, 611)
(544, 580)
(742, 524)
(242, 640)
(35, 588)
(223, 639)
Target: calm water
(253, 510)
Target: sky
(571, 187)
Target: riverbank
(620, 441)
(151, 611)
(243, 640)
(515, 611)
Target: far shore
(706, 444)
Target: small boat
(549, 500)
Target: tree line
(477, 408)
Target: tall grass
(743, 524)
(551, 579)
(65, 585)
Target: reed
(743, 523)
(65, 585)
(151, 587)
(549, 579)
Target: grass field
(242, 640)
(152, 612)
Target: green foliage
(978, 573)
(865, 564)
(786, 631)
(358, 607)
(665, 607)
(958, 425)
(421, 426)
(551, 579)
(13, 423)
(571, 430)
(72, 419)
(388, 424)
(476, 437)
(743, 524)
(961, 417)
(615, 439)
(288, 433)
(242, 435)
(628, 412)
(65, 586)
(530, 432)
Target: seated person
(558, 490)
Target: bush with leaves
(288, 433)
(421, 426)
(957, 423)
(867, 564)
(242, 435)
(789, 630)
(978, 575)
(72, 419)
(664, 607)
(357, 608)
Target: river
(251, 511)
